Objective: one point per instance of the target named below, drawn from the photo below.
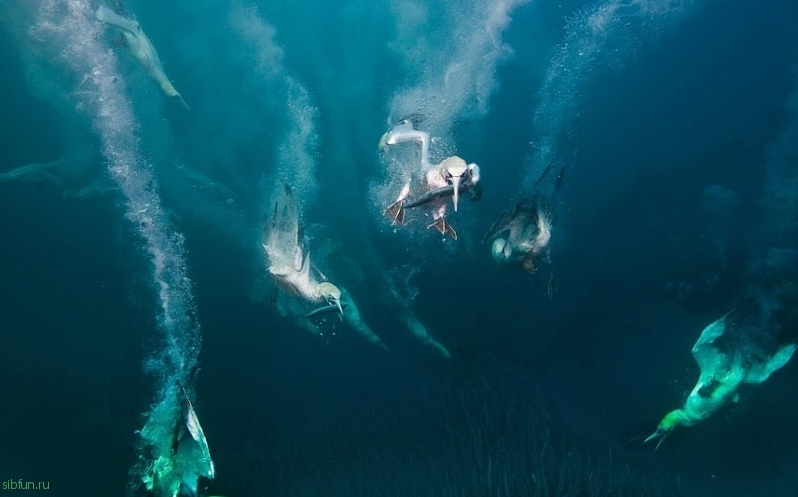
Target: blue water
(539, 387)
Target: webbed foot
(443, 227)
(528, 264)
(396, 212)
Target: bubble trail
(604, 35)
(460, 77)
(71, 29)
(296, 163)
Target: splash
(296, 163)
(605, 35)
(70, 28)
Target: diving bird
(431, 184)
(289, 265)
(141, 48)
(728, 359)
(448, 179)
(77, 176)
(34, 173)
(288, 259)
(178, 446)
(405, 131)
(521, 235)
(420, 332)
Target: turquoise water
(674, 123)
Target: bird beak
(662, 435)
(332, 294)
(338, 303)
(456, 184)
(383, 141)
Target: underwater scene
(399, 248)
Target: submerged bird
(520, 236)
(405, 131)
(449, 178)
(179, 448)
(34, 173)
(728, 359)
(288, 259)
(290, 266)
(77, 176)
(420, 332)
(141, 48)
